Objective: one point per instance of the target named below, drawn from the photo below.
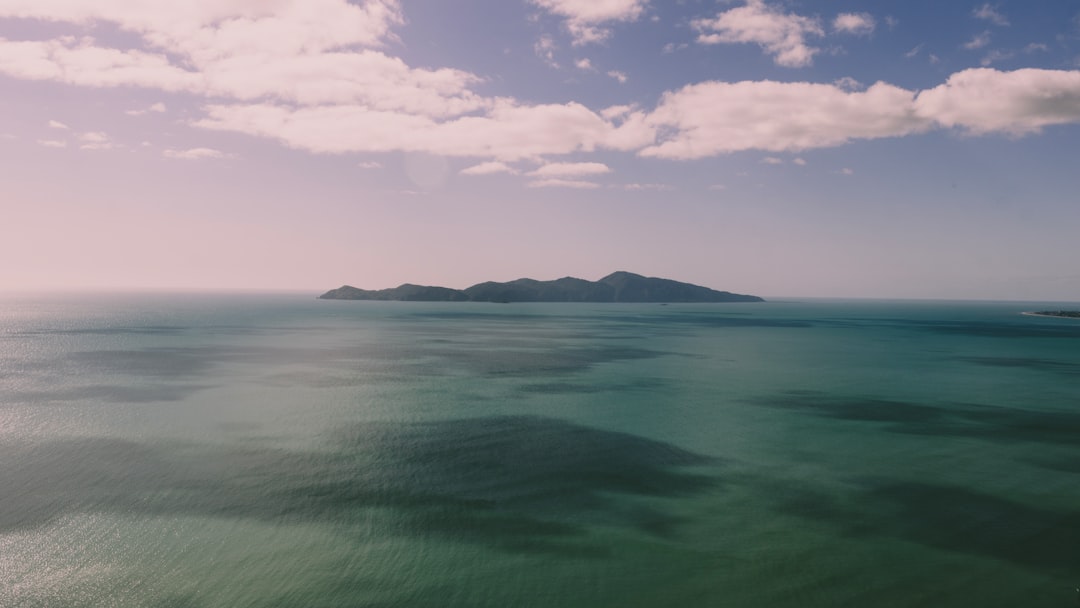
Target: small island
(616, 287)
(1068, 314)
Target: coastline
(1054, 315)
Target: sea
(198, 450)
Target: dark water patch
(581, 388)
(1000, 329)
(946, 517)
(856, 409)
(960, 519)
(1033, 363)
(513, 483)
(158, 362)
(112, 393)
(985, 422)
(1004, 424)
(540, 362)
(141, 330)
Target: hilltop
(616, 287)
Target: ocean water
(204, 451)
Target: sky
(814, 148)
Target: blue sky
(783, 148)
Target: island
(1068, 314)
(616, 287)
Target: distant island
(1069, 314)
(616, 287)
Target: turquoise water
(204, 451)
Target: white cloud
(369, 164)
(570, 170)
(507, 132)
(847, 171)
(545, 50)
(96, 137)
(95, 140)
(586, 19)
(978, 42)
(717, 187)
(583, 64)
(56, 124)
(800, 161)
(717, 117)
(156, 108)
(915, 51)
(562, 183)
(772, 160)
(849, 84)
(489, 168)
(617, 75)
(991, 14)
(859, 24)
(52, 143)
(194, 154)
(984, 100)
(781, 35)
(650, 187)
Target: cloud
(717, 117)
(978, 42)
(300, 52)
(620, 76)
(849, 84)
(545, 50)
(369, 164)
(156, 108)
(570, 170)
(586, 19)
(562, 183)
(56, 124)
(52, 143)
(772, 160)
(847, 171)
(95, 140)
(984, 100)
(859, 24)
(991, 14)
(783, 36)
(800, 161)
(583, 64)
(489, 168)
(508, 132)
(195, 154)
(649, 187)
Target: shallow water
(276, 450)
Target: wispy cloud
(781, 35)
(772, 160)
(95, 140)
(978, 42)
(562, 183)
(617, 75)
(52, 143)
(489, 168)
(991, 14)
(56, 124)
(158, 108)
(570, 170)
(859, 24)
(195, 154)
(588, 21)
(369, 164)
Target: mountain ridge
(619, 286)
